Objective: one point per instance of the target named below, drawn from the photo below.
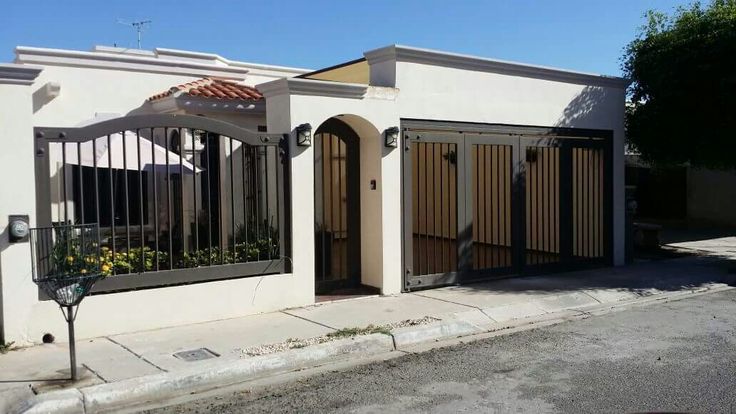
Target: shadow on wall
(582, 110)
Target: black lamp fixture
(391, 137)
(304, 135)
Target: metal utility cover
(198, 354)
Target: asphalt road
(676, 357)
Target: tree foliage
(683, 91)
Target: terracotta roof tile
(215, 88)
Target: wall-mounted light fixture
(304, 135)
(391, 137)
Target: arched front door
(337, 206)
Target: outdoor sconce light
(18, 229)
(304, 135)
(391, 137)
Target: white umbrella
(152, 159)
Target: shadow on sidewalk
(668, 275)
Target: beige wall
(358, 72)
(711, 196)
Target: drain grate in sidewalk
(198, 354)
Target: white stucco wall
(17, 196)
(85, 93)
(413, 90)
(380, 209)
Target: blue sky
(585, 35)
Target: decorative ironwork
(178, 198)
(66, 264)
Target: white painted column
(280, 120)
(18, 293)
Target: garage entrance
(484, 201)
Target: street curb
(411, 335)
(69, 401)
(142, 390)
(135, 392)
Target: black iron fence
(178, 199)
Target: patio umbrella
(153, 156)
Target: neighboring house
(226, 188)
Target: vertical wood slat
(323, 171)
(441, 255)
(332, 202)
(497, 245)
(340, 198)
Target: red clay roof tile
(213, 88)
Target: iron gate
(495, 201)
(178, 198)
(337, 206)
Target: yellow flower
(105, 268)
(84, 271)
(70, 259)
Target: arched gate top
(138, 122)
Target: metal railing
(179, 199)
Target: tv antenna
(139, 27)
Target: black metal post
(72, 347)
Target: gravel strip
(294, 343)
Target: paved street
(678, 356)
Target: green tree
(683, 91)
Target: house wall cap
(159, 60)
(12, 73)
(401, 53)
(297, 86)
(236, 63)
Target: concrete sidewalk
(460, 310)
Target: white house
(224, 188)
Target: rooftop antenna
(139, 27)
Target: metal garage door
(496, 201)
